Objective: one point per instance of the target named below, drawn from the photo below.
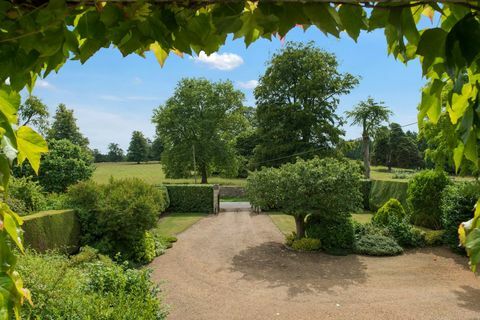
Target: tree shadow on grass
(300, 272)
(468, 298)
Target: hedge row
(383, 190)
(190, 198)
(55, 229)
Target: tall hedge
(55, 229)
(383, 190)
(190, 198)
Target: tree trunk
(300, 225)
(203, 169)
(366, 155)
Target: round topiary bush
(392, 208)
(423, 197)
(377, 245)
(336, 232)
(458, 201)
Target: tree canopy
(296, 99)
(35, 113)
(198, 125)
(138, 148)
(64, 126)
(370, 115)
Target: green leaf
(432, 47)
(460, 102)
(9, 103)
(160, 54)
(10, 225)
(31, 146)
(353, 19)
(323, 16)
(458, 155)
(471, 148)
(463, 42)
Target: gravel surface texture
(234, 266)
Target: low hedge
(383, 190)
(366, 186)
(55, 229)
(190, 198)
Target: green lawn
(150, 172)
(175, 223)
(286, 223)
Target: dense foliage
(423, 196)
(29, 193)
(138, 148)
(370, 115)
(197, 126)
(64, 165)
(115, 217)
(392, 209)
(115, 153)
(296, 100)
(64, 126)
(190, 198)
(306, 244)
(335, 232)
(34, 112)
(318, 186)
(87, 286)
(457, 205)
(377, 245)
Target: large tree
(138, 148)
(296, 102)
(198, 125)
(115, 153)
(65, 126)
(34, 112)
(370, 114)
(155, 149)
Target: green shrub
(115, 216)
(306, 244)
(458, 201)
(190, 198)
(290, 238)
(335, 232)
(56, 201)
(432, 237)
(144, 248)
(392, 208)
(377, 245)
(394, 219)
(423, 197)
(87, 288)
(29, 192)
(56, 229)
(383, 190)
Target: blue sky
(112, 95)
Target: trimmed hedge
(366, 186)
(190, 198)
(383, 190)
(55, 229)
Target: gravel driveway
(233, 266)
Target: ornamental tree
(198, 125)
(296, 102)
(138, 148)
(370, 114)
(64, 126)
(318, 186)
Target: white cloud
(44, 84)
(250, 84)
(222, 61)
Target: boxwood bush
(335, 232)
(190, 198)
(392, 208)
(457, 205)
(115, 217)
(423, 197)
(377, 245)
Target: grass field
(286, 223)
(175, 223)
(150, 172)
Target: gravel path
(233, 266)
